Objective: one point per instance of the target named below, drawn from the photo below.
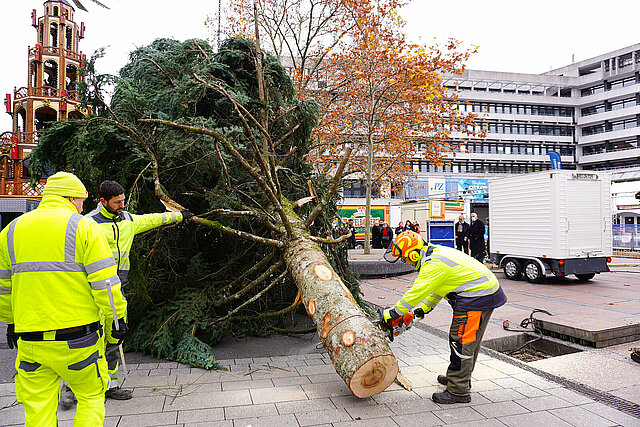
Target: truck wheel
(512, 269)
(532, 272)
(585, 276)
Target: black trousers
(462, 245)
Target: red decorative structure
(38, 53)
(82, 30)
(14, 148)
(49, 96)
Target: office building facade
(588, 112)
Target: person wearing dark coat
(376, 234)
(476, 238)
(352, 239)
(386, 234)
(399, 228)
(408, 226)
(462, 241)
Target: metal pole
(116, 325)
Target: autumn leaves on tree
(380, 94)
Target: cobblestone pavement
(304, 390)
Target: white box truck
(554, 222)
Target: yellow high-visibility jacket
(448, 273)
(54, 267)
(121, 229)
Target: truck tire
(585, 276)
(512, 269)
(532, 272)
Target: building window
(593, 130)
(592, 90)
(625, 60)
(356, 188)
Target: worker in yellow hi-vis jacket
(120, 227)
(470, 288)
(57, 275)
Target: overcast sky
(518, 36)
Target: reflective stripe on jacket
(447, 273)
(121, 229)
(54, 265)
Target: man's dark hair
(109, 189)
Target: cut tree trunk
(359, 351)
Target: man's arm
(146, 222)
(424, 292)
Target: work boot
(67, 399)
(446, 398)
(442, 379)
(118, 393)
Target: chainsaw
(393, 327)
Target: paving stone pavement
(304, 390)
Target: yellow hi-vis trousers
(80, 362)
(112, 353)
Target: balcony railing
(45, 92)
(51, 50)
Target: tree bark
(358, 350)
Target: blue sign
(476, 188)
(555, 160)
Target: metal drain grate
(615, 402)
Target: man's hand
(12, 337)
(186, 214)
(419, 312)
(395, 323)
(122, 331)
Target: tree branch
(249, 272)
(252, 171)
(295, 303)
(334, 186)
(264, 276)
(330, 241)
(252, 299)
(163, 71)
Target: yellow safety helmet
(407, 245)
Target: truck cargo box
(555, 214)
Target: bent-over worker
(470, 288)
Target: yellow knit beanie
(65, 184)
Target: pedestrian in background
(57, 278)
(416, 227)
(351, 229)
(337, 230)
(476, 238)
(399, 228)
(408, 226)
(386, 234)
(462, 241)
(376, 234)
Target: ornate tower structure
(54, 66)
